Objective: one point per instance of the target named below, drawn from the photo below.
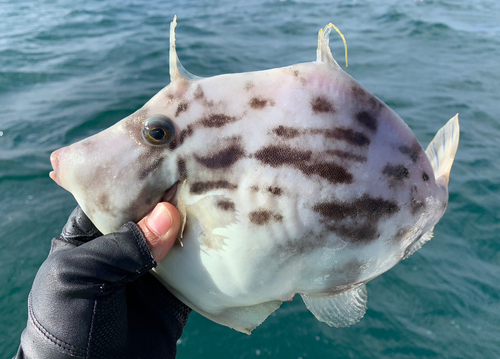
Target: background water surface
(71, 68)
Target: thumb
(160, 228)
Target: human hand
(160, 228)
(94, 296)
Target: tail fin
(441, 151)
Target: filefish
(293, 180)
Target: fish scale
(294, 180)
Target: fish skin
(297, 180)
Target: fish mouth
(54, 161)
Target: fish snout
(54, 160)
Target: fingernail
(160, 220)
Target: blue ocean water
(69, 69)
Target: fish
(292, 180)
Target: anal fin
(338, 310)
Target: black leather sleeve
(94, 298)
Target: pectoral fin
(338, 310)
(210, 214)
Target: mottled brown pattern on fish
(181, 167)
(417, 204)
(173, 145)
(98, 174)
(226, 205)
(103, 203)
(263, 216)
(145, 169)
(277, 156)
(321, 105)
(365, 206)
(358, 233)
(397, 172)
(217, 120)
(198, 93)
(347, 155)
(367, 119)
(330, 171)
(249, 85)
(183, 106)
(225, 158)
(185, 133)
(303, 245)
(414, 152)
(203, 187)
(286, 132)
(145, 200)
(365, 99)
(346, 134)
(370, 106)
(275, 190)
(90, 146)
(257, 104)
(150, 153)
(364, 214)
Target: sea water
(69, 69)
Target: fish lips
(54, 161)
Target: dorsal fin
(177, 71)
(323, 53)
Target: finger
(160, 228)
(79, 227)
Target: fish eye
(158, 130)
